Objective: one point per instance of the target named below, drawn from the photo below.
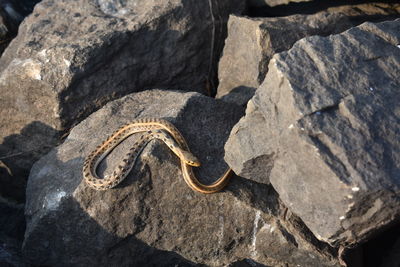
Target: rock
(252, 42)
(70, 58)
(332, 125)
(153, 217)
(249, 149)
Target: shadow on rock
(18, 152)
(250, 192)
(239, 95)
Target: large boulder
(326, 123)
(71, 57)
(153, 217)
(252, 42)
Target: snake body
(152, 128)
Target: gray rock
(153, 217)
(250, 151)
(70, 58)
(332, 124)
(252, 42)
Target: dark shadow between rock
(12, 12)
(307, 8)
(382, 250)
(12, 228)
(18, 152)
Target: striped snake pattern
(152, 128)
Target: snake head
(190, 159)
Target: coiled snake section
(151, 128)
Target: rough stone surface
(153, 217)
(252, 42)
(332, 124)
(71, 57)
(250, 151)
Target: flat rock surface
(252, 42)
(332, 124)
(72, 57)
(153, 217)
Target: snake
(151, 128)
